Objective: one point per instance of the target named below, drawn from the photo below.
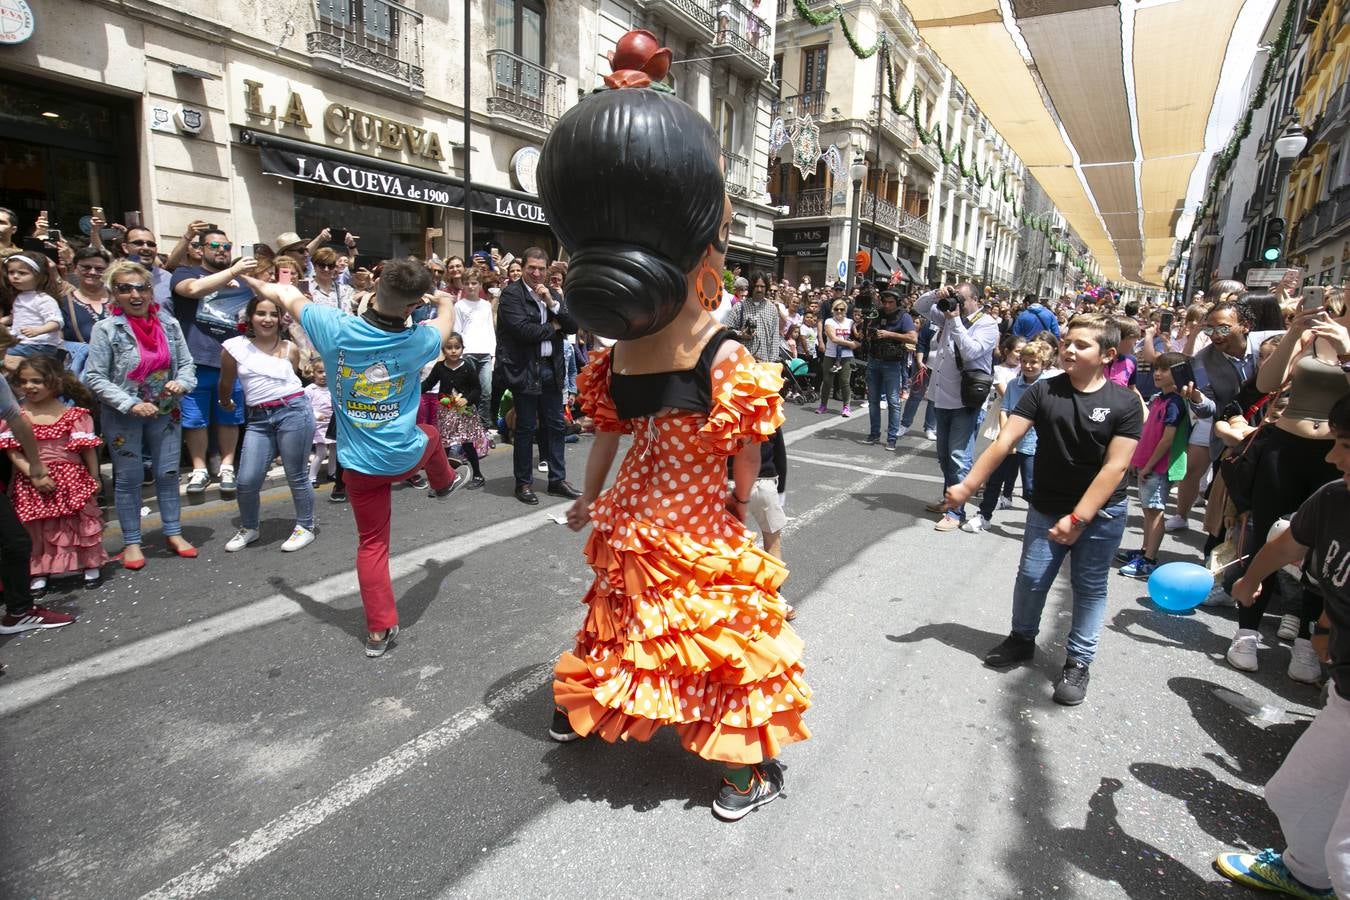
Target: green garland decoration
(1000, 182)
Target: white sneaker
(300, 538)
(975, 524)
(1304, 665)
(1217, 596)
(1176, 523)
(197, 481)
(930, 434)
(1242, 652)
(242, 538)
(1005, 503)
(543, 466)
(1288, 627)
(901, 432)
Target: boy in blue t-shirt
(374, 364)
(1159, 460)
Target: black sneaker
(561, 730)
(1013, 650)
(339, 495)
(418, 480)
(378, 646)
(461, 478)
(1071, 689)
(766, 783)
(1124, 557)
(477, 481)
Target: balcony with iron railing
(524, 92)
(738, 35)
(950, 177)
(811, 103)
(916, 228)
(379, 37)
(926, 155)
(1321, 219)
(901, 128)
(692, 18)
(804, 204)
(737, 172)
(1334, 116)
(947, 257)
(883, 213)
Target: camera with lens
(948, 300)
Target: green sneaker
(1266, 871)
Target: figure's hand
(145, 410)
(957, 495)
(195, 229)
(1245, 591)
(244, 266)
(174, 388)
(1064, 533)
(579, 513)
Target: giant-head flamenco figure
(685, 626)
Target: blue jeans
(484, 363)
(289, 430)
(1003, 479)
(1092, 556)
(542, 411)
(161, 439)
(916, 395)
(883, 378)
(955, 446)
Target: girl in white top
(37, 318)
(476, 324)
(279, 419)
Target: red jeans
(369, 496)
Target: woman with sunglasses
(325, 290)
(140, 368)
(87, 304)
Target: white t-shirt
(842, 329)
(473, 321)
(264, 377)
(33, 309)
(809, 338)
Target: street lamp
(1288, 146)
(988, 258)
(858, 171)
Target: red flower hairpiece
(638, 59)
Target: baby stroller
(798, 382)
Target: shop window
(388, 228)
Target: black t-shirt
(1072, 432)
(1322, 524)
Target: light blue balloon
(1179, 586)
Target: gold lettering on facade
(295, 112)
(253, 103)
(363, 128)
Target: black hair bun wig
(631, 183)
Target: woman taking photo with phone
(1310, 360)
(139, 368)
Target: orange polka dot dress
(685, 626)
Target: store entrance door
(65, 154)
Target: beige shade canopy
(1109, 112)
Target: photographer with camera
(962, 364)
(886, 329)
(758, 320)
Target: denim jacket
(113, 354)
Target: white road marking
(168, 644)
(820, 459)
(228, 863)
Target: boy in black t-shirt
(1086, 431)
(1309, 793)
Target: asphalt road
(212, 727)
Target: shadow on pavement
(352, 620)
(640, 776)
(1232, 816)
(1151, 625)
(1250, 752)
(955, 635)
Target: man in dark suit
(532, 320)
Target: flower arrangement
(455, 402)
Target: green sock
(739, 777)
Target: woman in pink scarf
(139, 368)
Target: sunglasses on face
(144, 243)
(325, 265)
(139, 287)
(1217, 330)
(220, 245)
(195, 245)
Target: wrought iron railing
(382, 36)
(804, 204)
(947, 258)
(875, 209)
(811, 103)
(951, 177)
(737, 28)
(695, 10)
(914, 227)
(900, 127)
(737, 174)
(524, 90)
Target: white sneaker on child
(1304, 665)
(1242, 652)
(1288, 629)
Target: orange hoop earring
(709, 300)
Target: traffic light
(1272, 241)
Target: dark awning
(883, 264)
(911, 273)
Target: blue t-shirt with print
(375, 379)
(1011, 395)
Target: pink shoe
(847, 412)
(820, 410)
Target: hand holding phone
(1313, 297)
(1183, 373)
(1165, 323)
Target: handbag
(975, 383)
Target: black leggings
(15, 550)
(1291, 468)
(471, 457)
